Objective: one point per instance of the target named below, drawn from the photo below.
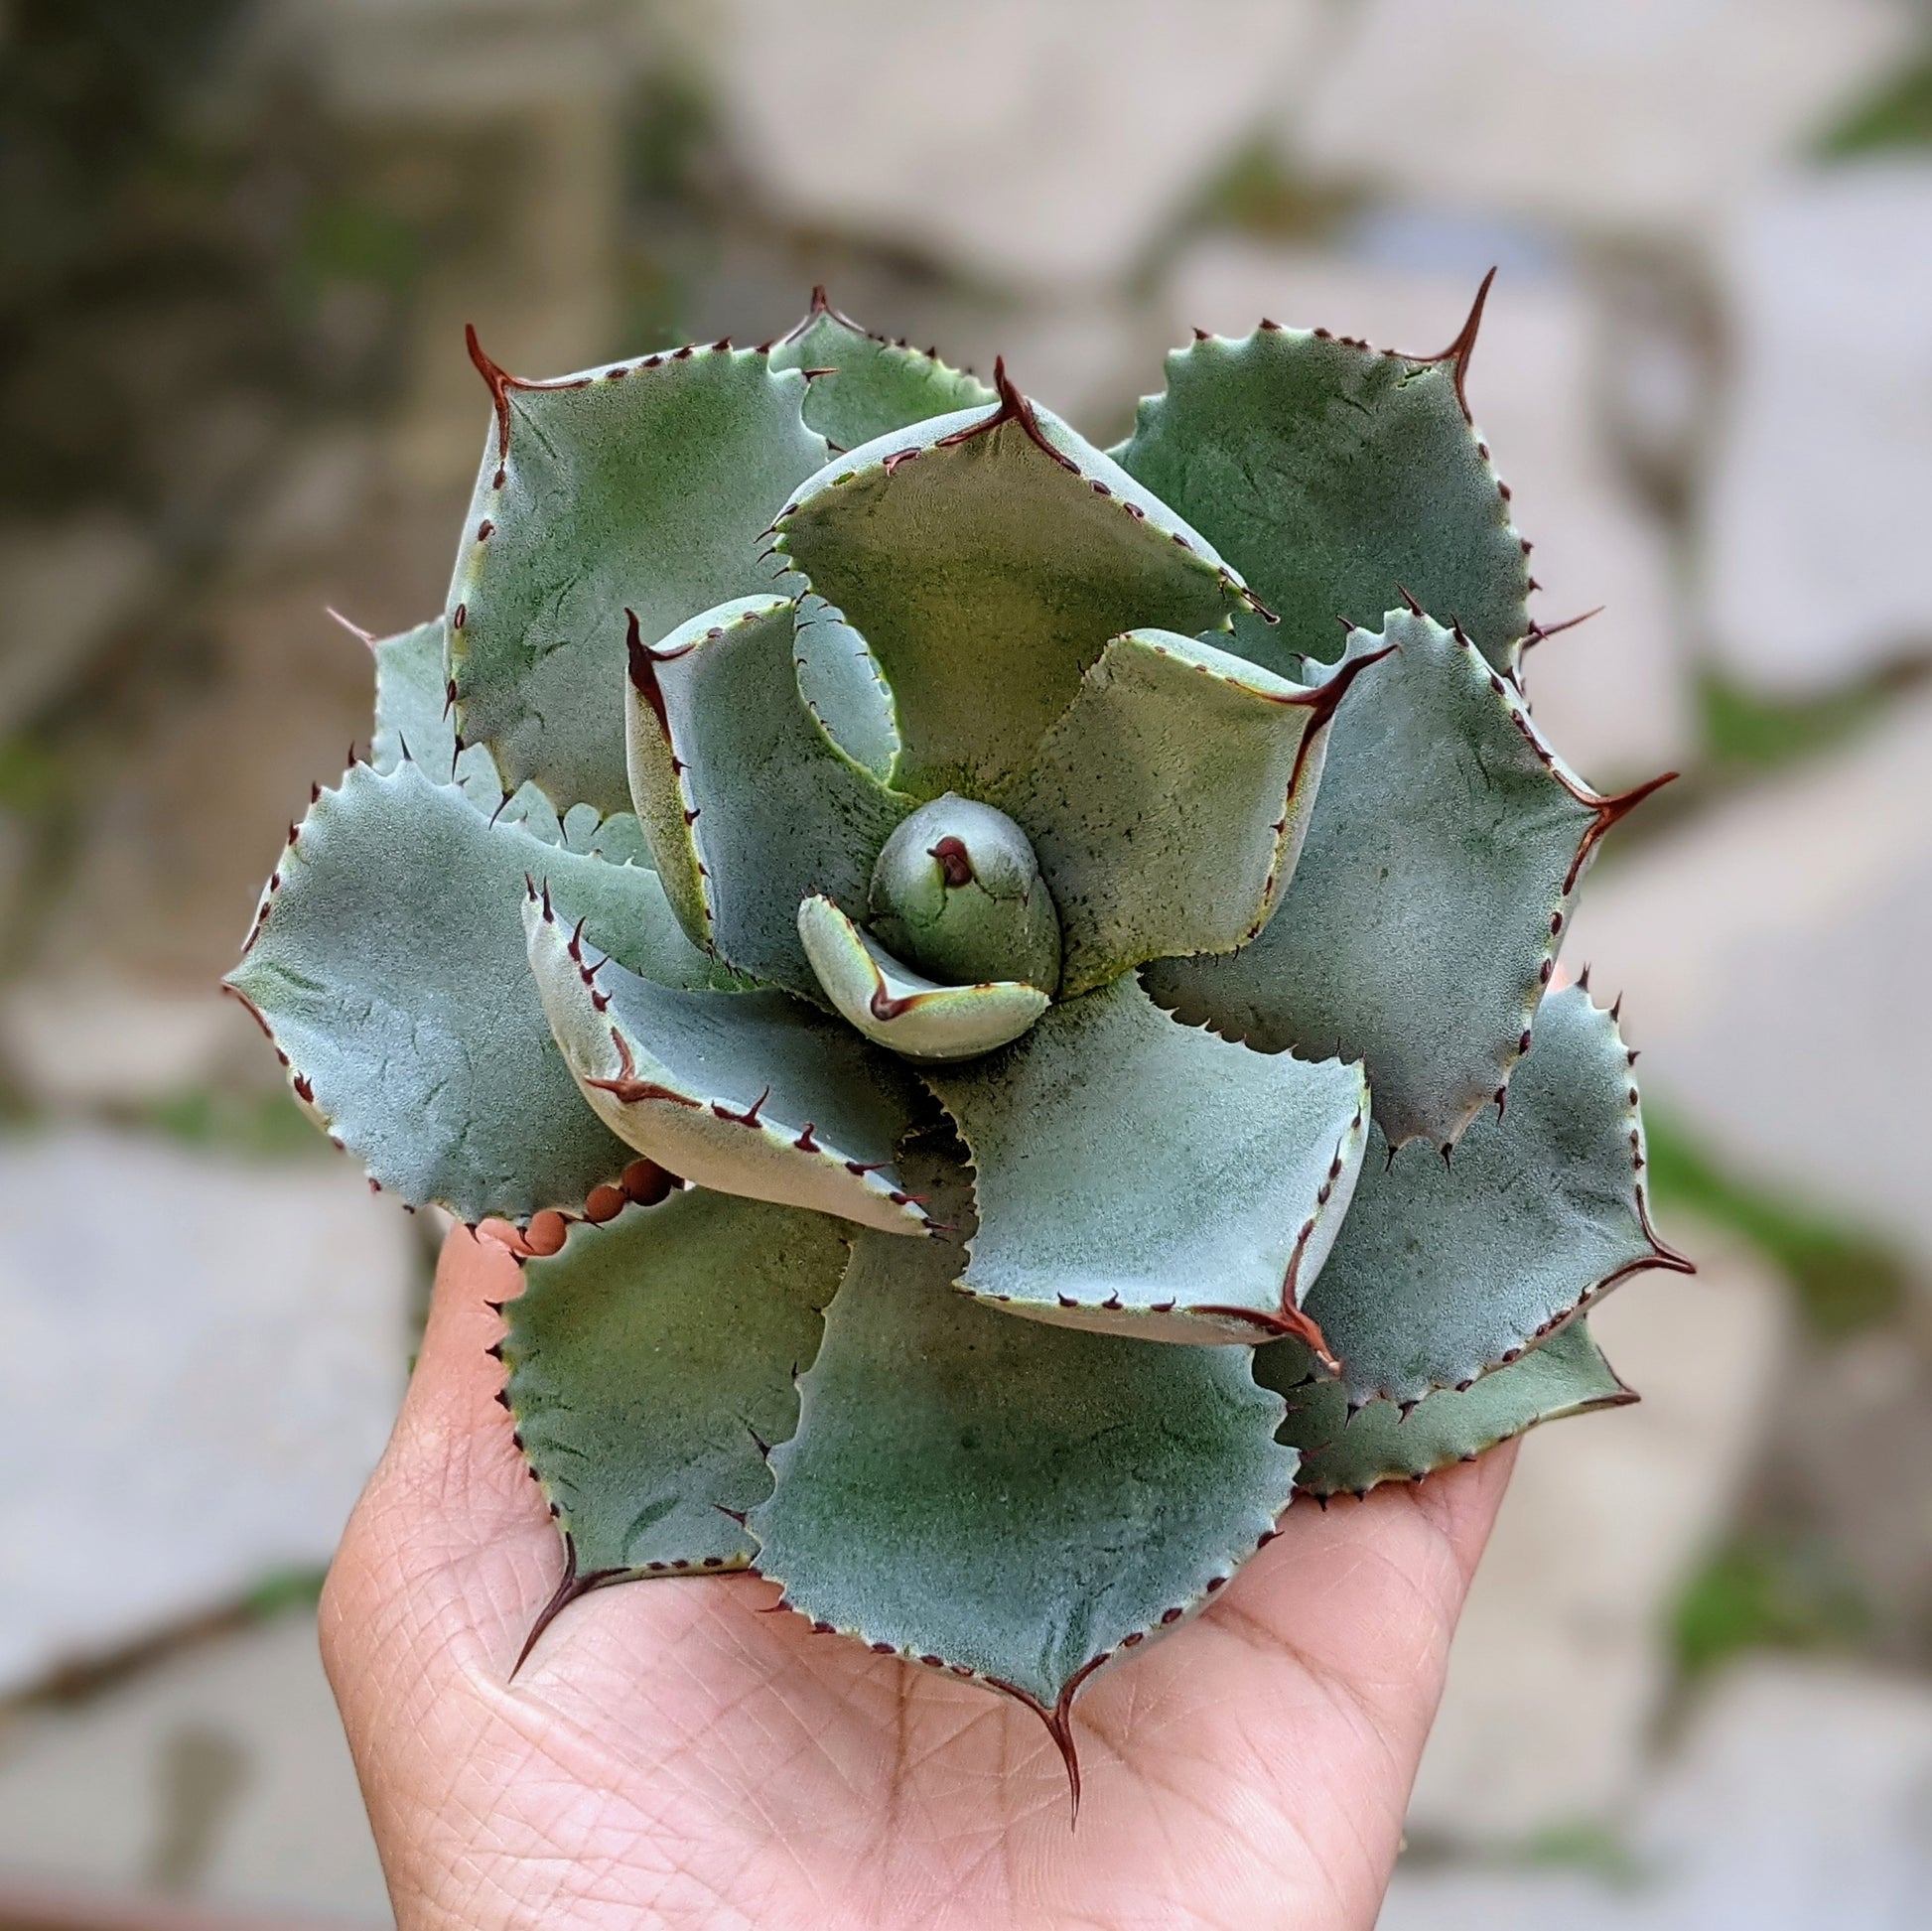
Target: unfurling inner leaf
(891, 1003)
(957, 891)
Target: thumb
(449, 1552)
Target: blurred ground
(238, 240)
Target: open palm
(669, 1754)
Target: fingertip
(1463, 1502)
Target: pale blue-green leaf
(1444, 1270)
(412, 700)
(749, 805)
(987, 557)
(414, 717)
(1168, 805)
(1437, 878)
(867, 386)
(1335, 478)
(887, 1001)
(388, 966)
(1136, 1175)
(1348, 1450)
(650, 1358)
(841, 683)
(1004, 1501)
(645, 486)
(749, 1092)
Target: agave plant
(1066, 974)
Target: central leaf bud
(957, 893)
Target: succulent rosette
(1094, 1002)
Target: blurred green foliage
(1257, 193)
(34, 783)
(259, 1126)
(349, 237)
(284, 1590)
(1898, 116)
(1581, 1845)
(1845, 1279)
(1766, 1590)
(1744, 730)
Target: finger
(1366, 1592)
(450, 1550)
(452, 1450)
(1463, 1510)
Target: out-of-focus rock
(75, 1041)
(188, 807)
(1851, 1462)
(1561, 1658)
(1773, 957)
(1801, 1797)
(309, 509)
(454, 59)
(216, 1349)
(1622, 116)
(1033, 145)
(1814, 517)
(65, 589)
(1614, 694)
(219, 1776)
(512, 117)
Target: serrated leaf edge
(501, 382)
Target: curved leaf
(869, 386)
(645, 486)
(987, 557)
(1337, 476)
(898, 1008)
(647, 1361)
(749, 805)
(1134, 1175)
(415, 720)
(840, 681)
(1435, 882)
(1168, 805)
(1348, 1452)
(1445, 1269)
(1004, 1501)
(388, 966)
(749, 1092)
(412, 700)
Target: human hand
(670, 1756)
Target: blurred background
(238, 242)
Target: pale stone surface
(1654, 111)
(65, 588)
(219, 1776)
(1560, 1662)
(217, 1348)
(1773, 956)
(1613, 695)
(1802, 1797)
(1036, 145)
(97, 1039)
(1814, 517)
